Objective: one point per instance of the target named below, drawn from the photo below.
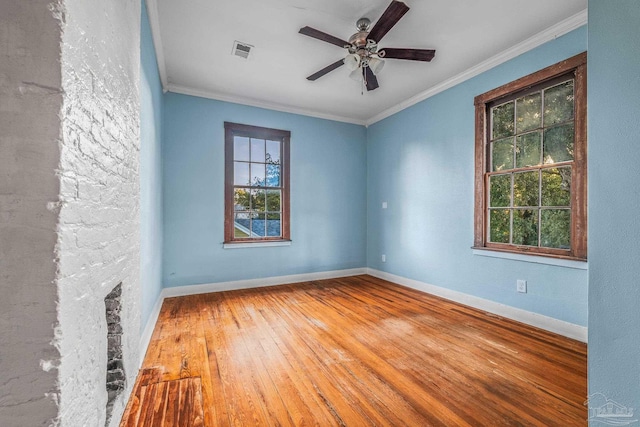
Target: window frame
(576, 65)
(237, 129)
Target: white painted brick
(90, 190)
(98, 240)
(68, 185)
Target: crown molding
(551, 33)
(154, 22)
(185, 90)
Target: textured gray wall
(30, 103)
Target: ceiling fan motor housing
(359, 39)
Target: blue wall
(421, 161)
(150, 172)
(328, 195)
(614, 201)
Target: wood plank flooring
(165, 403)
(356, 351)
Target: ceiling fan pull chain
(364, 82)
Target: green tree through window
(531, 163)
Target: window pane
(273, 152)
(533, 130)
(528, 147)
(525, 227)
(526, 189)
(258, 224)
(502, 154)
(256, 169)
(241, 173)
(555, 229)
(257, 174)
(257, 150)
(241, 148)
(241, 199)
(258, 200)
(273, 200)
(529, 112)
(500, 190)
(558, 144)
(558, 103)
(499, 225)
(241, 225)
(556, 187)
(502, 120)
(273, 175)
(273, 225)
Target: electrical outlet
(384, 205)
(384, 258)
(521, 285)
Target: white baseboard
(178, 291)
(145, 339)
(550, 324)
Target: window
(256, 184)
(531, 164)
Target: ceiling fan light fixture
(356, 75)
(352, 61)
(376, 64)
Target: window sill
(536, 259)
(266, 244)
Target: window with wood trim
(256, 184)
(531, 164)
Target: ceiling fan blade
(411, 54)
(370, 78)
(317, 34)
(326, 70)
(389, 18)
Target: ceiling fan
(365, 57)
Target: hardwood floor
(354, 351)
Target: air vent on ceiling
(241, 49)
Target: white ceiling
(194, 40)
